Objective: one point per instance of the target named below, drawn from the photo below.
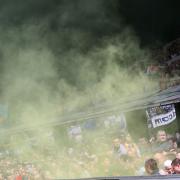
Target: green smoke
(47, 73)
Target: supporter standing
(151, 167)
(178, 155)
(18, 176)
(119, 149)
(167, 168)
(177, 136)
(162, 143)
(176, 166)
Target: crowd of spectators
(165, 66)
(167, 155)
(11, 169)
(127, 157)
(170, 167)
(108, 155)
(172, 49)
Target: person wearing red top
(18, 176)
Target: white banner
(161, 115)
(163, 119)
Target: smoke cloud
(61, 57)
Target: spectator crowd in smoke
(166, 151)
(105, 152)
(115, 155)
(166, 65)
